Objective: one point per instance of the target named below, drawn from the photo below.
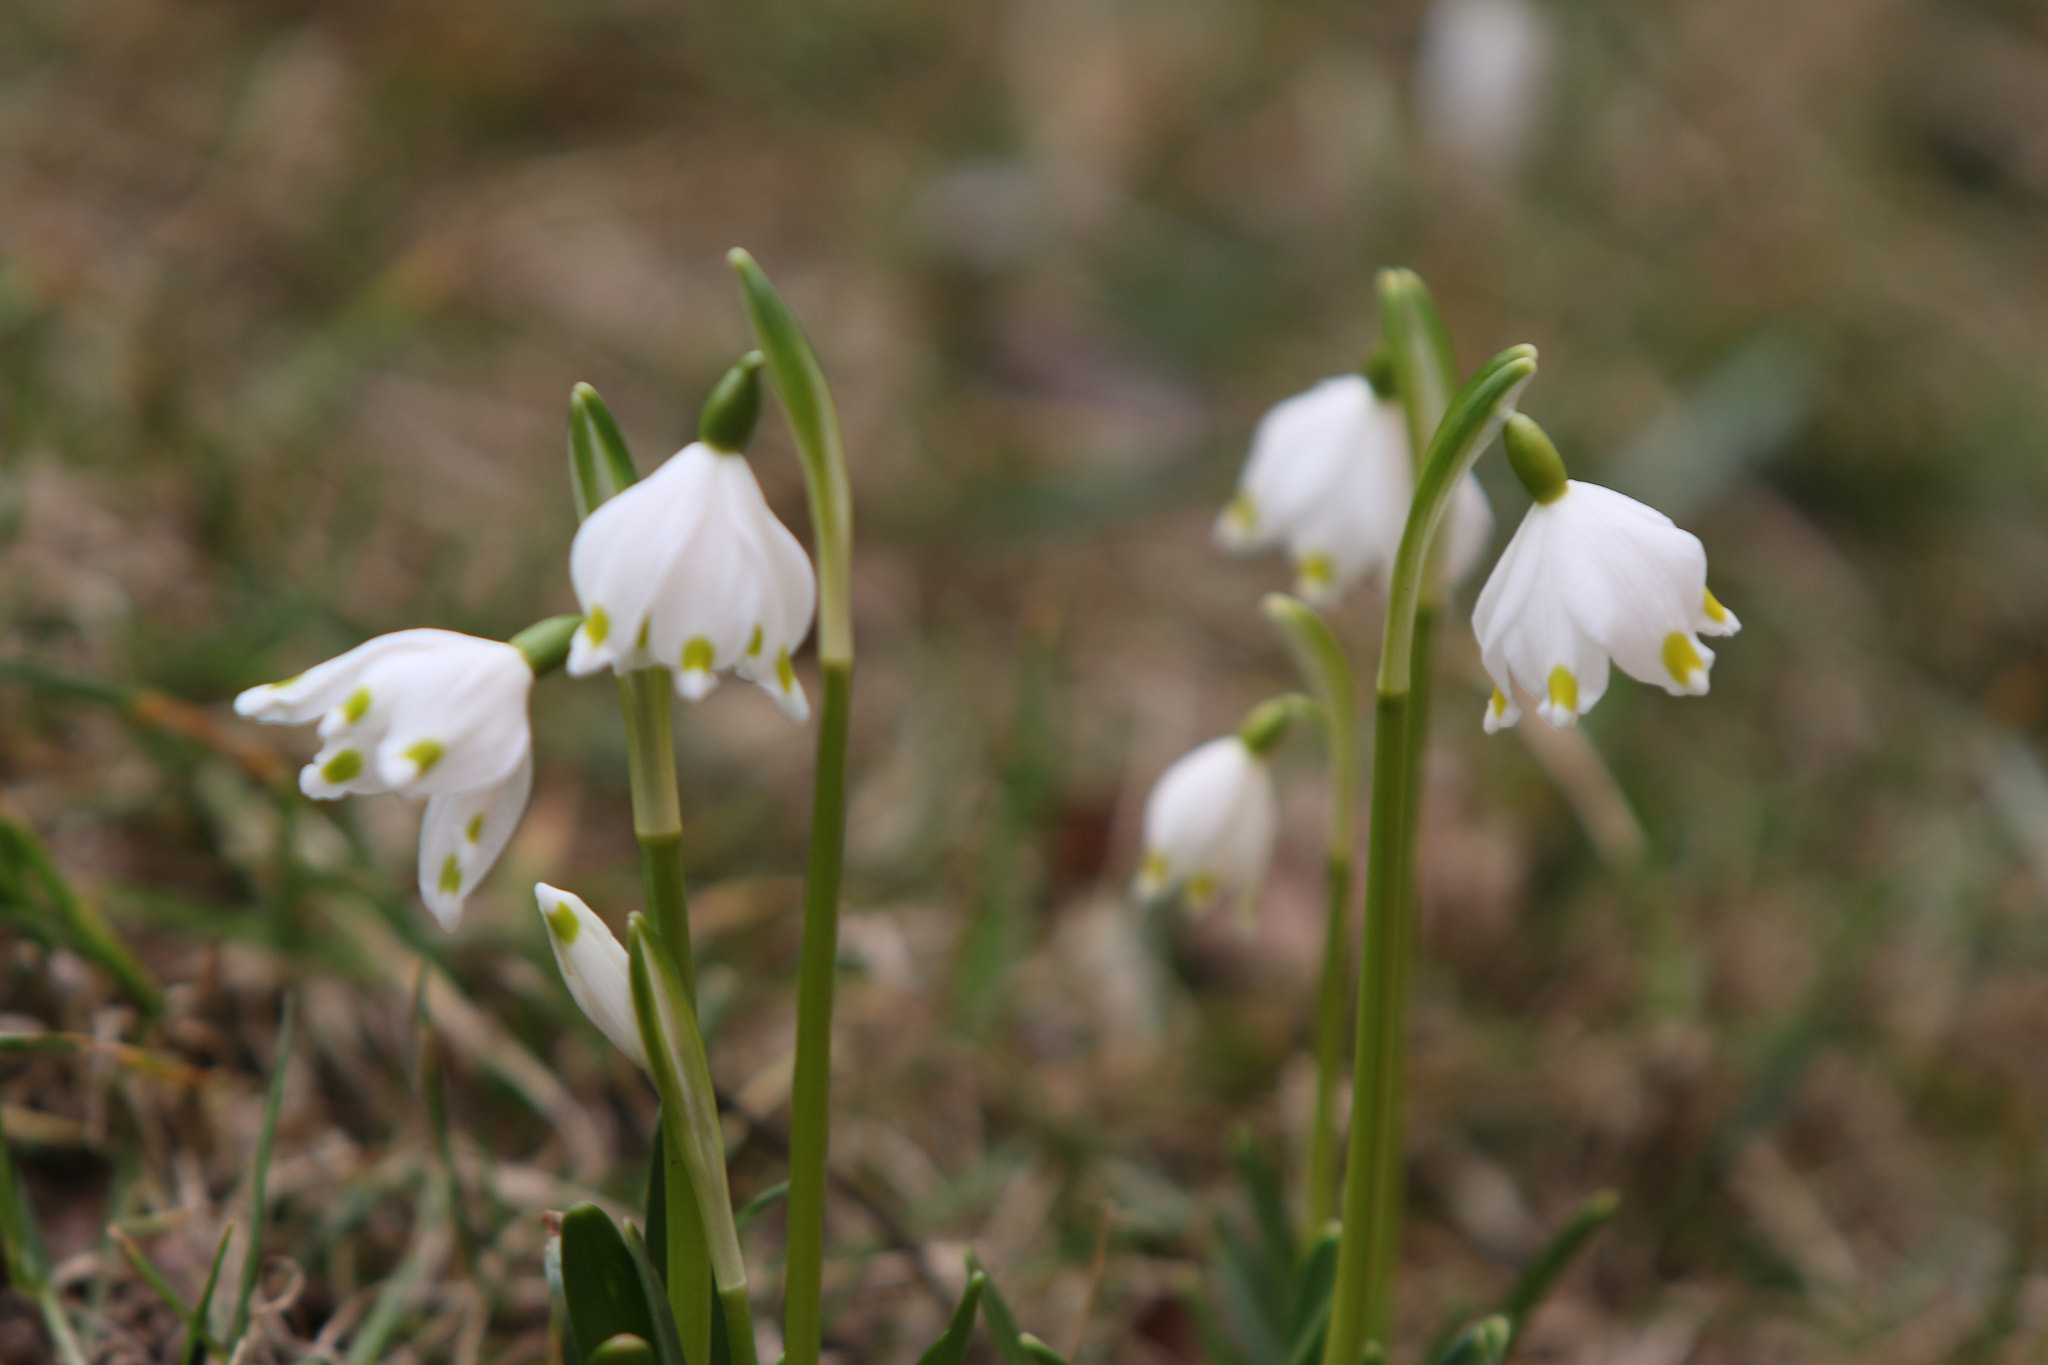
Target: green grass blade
(668, 1347)
(199, 1334)
(951, 1349)
(35, 894)
(561, 1328)
(1483, 1343)
(1002, 1324)
(1542, 1275)
(760, 1204)
(1038, 1352)
(252, 1265)
(1312, 1286)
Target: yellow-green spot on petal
(1681, 660)
(1242, 514)
(562, 923)
(280, 686)
(785, 672)
(425, 754)
(1202, 887)
(1716, 613)
(1317, 571)
(1564, 689)
(476, 828)
(345, 766)
(1152, 873)
(754, 644)
(357, 706)
(1499, 702)
(597, 627)
(451, 876)
(698, 655)
(640, 640)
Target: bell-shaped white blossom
(1209, 826)
(594, 966)
(1330, 478)
(1481, 79)
(1593, 576)
(427, 713)
(689, 570)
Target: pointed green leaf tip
(1535, 460)
(734, 407)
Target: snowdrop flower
(595, 967)
(688, 569)
(1480, 82)
(425, 713)
(1330, 478)
(1209, 826)
(1590, 576)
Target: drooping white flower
(1592, 576)
(1481, 78)
(594, 966)
(424, 713)
(689, 570)
(1209, 826)
(1330, 477)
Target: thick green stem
(658, 811)
(810, 1111)
(1362, 1301)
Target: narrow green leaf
(259, 1177)
(1038, 1352)
(35, 895)
(623, 1349)
(1425, 371)
(561, 1328)
(657, 1202)
(1217, 1343)
(149, 1272)
(199, 1332)
(1483, 1343)
(1543, 1273)
(1308, 1343)
(1269, 1203)
(667, 1343)
(1312, 1285)
(1002, 1324)
(28, 1265)
(951, 1349)
(599, 1279)
(760, 1204)
(599, 463)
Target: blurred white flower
(688, 570)
(1480, 82)
(1592, 575)
(1209, 826)
(594, 966)
(1330, 478)
(424, 713)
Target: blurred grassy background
(291, 299)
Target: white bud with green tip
(429, 713)
(689, 570)
(1329, 478)
(1591, 577)
(1211, 820)
(594, 966)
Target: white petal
(1466, 530)
(457, 716)
(326, 686)
(1210, 823)
(463, 834)
(1300, 449)
(595, 968)
(621, 556)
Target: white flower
(689, 570)
(1592, 575)
(1209, 826)
(425, 713)
(1480, 82)
(595, 967)
(1330, 477)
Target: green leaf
(252, 1265)
(1002, 1324)
(1425, 370)
(734, 407)
(1542, 1274)
(623, 1349)
(599, 463)
(951, 1349)
(1483, 1343)
(667, 1342)
(760, 1204)
(602, 1284)
(560, 1327)
(199, 1337)
(37, 898)
(1039, 1352)
(1312, 1286)
(657, 1203)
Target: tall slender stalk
(1361, 1303)
(1321, 660)
(807, 402)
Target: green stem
(1362, 1301)
(810, 1111)
(1320, 657)
(690, 1281)
(658, 811)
